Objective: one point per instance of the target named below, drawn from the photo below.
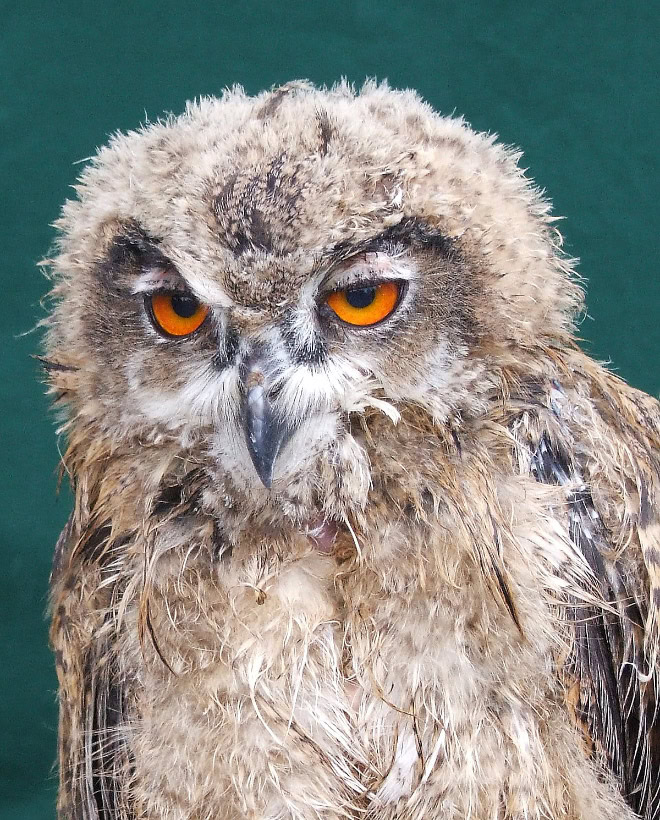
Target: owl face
(254, 279)
(270, 385)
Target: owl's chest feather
(356, 684)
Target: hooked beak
(265, 432)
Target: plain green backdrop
(575, 84)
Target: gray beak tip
(262, 466)
(267, 481)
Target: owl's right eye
(176, 314)
(368, 305)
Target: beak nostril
(274, 392)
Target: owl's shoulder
(597, 440)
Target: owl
(358, 529)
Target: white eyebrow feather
(162, 278)
(208, 290)
(369, 266)
(158, 278)
(376, 265)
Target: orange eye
(365, 305)
(176, 314)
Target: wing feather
(610, 672)
(93, 755)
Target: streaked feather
(609, 661)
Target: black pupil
(184, 305)
(360, 297)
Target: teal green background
(574, 84)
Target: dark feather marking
(502, 584)
(106, 765)
(131, 251)
(312, 351)
(259, 233)
(325, 131)
(174, 500)
(154, 641)
(273, 102)
(222, 549)
(607, 657)
(96, 544)
(51, 366)
(228, 351)
(252, 231)
(409, 232)
(600, 638)
(457, 441)
(108, 752)
(178, 497)
(645, 508)
(274, 174)
(169, 497)
(134, 245)
(61, 547)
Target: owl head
(265, 286)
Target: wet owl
(358, 531)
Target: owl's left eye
(176, 314)
(365, 305)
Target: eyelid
(159, 280)
(361, 271)
(356, 284)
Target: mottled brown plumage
(323, 570)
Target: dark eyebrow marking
(411, 232)
(132, 251)
(135, 244)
